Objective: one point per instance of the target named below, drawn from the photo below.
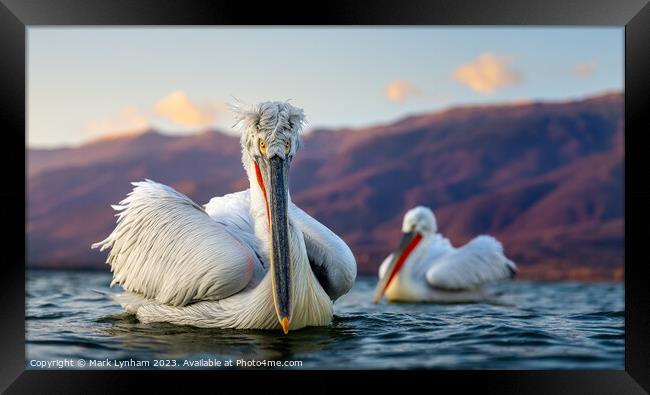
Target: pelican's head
(269, 142)
(420, 220)
(270, 129)
(418, 223)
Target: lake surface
(528, 325)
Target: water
(528, 326)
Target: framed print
(426, 191)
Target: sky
(90, 83)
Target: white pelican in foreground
(248, 260)
(427, 268)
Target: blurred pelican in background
(248, 260)
(427, 268)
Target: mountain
(546, 178)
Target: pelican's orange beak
(285, 325)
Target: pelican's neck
(407, 284)
(415, 256)
(413, 264)
(259, 208)
(310, 304)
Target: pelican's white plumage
(435, 271)
(325, 249)
(478, 262)
(213, 266)
(166, 248)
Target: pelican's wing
(166, 247)
(233, 212)
(331, 259)
(479, 261)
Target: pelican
(246, 260)
(427, 268)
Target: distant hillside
(545, 178)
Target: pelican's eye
(262, 147)
(287, 146)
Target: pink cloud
(178, 108)
(401, 91)
(488, 73)
(582, 70)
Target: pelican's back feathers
(166, 247)
(478, 262)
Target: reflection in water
(525, 326)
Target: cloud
(175, 107)
(582, 70)
(178, 108)
(127, 120)
(401, 91)
(488, 73)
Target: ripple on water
(51, 315)
(598, 315)
(71, 343)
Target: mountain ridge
(529, 174)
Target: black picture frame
(18, 15)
